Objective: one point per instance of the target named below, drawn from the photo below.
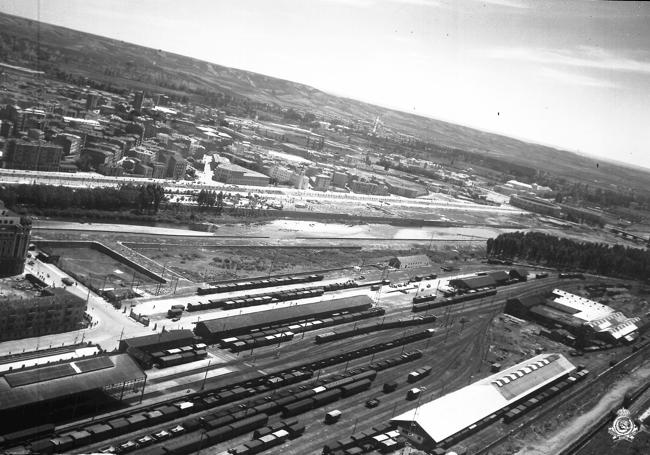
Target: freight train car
(452, 300)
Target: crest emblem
(623, 427)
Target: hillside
(132, 66)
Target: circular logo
(623, 426)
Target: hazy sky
(571, 74)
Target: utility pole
(205, 378)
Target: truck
(332, 416)
(413, 393)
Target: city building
(176, 167)
(145, 154)
(71, 144)
(451, 417)
(14, 242)
(339, 179)
(55, 311)
(159, 170)
(32, 155)
(144, 170)
(322, 182)
(91, 101)
(138, 100)
(374, 188)
(237, 175)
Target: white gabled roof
(451, 413)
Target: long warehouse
(235, 325)
(432, 423)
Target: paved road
(107, 326)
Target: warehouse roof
(451, 413)
(158, 338)
(266, 317)
(68, 378)
(474, 282)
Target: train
(256, 284)
(420, 303)
(360, 330)
(47, 441)
(256, 338)
(517, 411)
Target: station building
(445, 420)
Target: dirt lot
(202, 263)
(99, 270)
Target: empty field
(97, 270)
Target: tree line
(563, 253)
(141, 198)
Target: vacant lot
(98, 270)
(208, 263)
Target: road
(108, 324)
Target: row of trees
(208, 198)
(143, 198)
(599, 258)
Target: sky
(571, 74)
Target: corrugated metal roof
(451, 413)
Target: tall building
(91, 101)
(176, 167)
(137, 101)
(14, 241)
(33, 156)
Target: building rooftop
(68, 378)
(164, 337)
(232, 323)
(581, 308)
(451, 413)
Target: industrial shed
(586, 319)
(438, 421)
(36, 391)
(410, 262)
(235, 325)
(159, 341)
(473, 283)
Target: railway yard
(275, 355)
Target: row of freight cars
(248, 301)
(423, 303)
(225, 424)
(180, 355)
(266, 438)
(257, 284)
(270, 336)
(363, 329)
(544, 396)
(382, 438)
(44, 438)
